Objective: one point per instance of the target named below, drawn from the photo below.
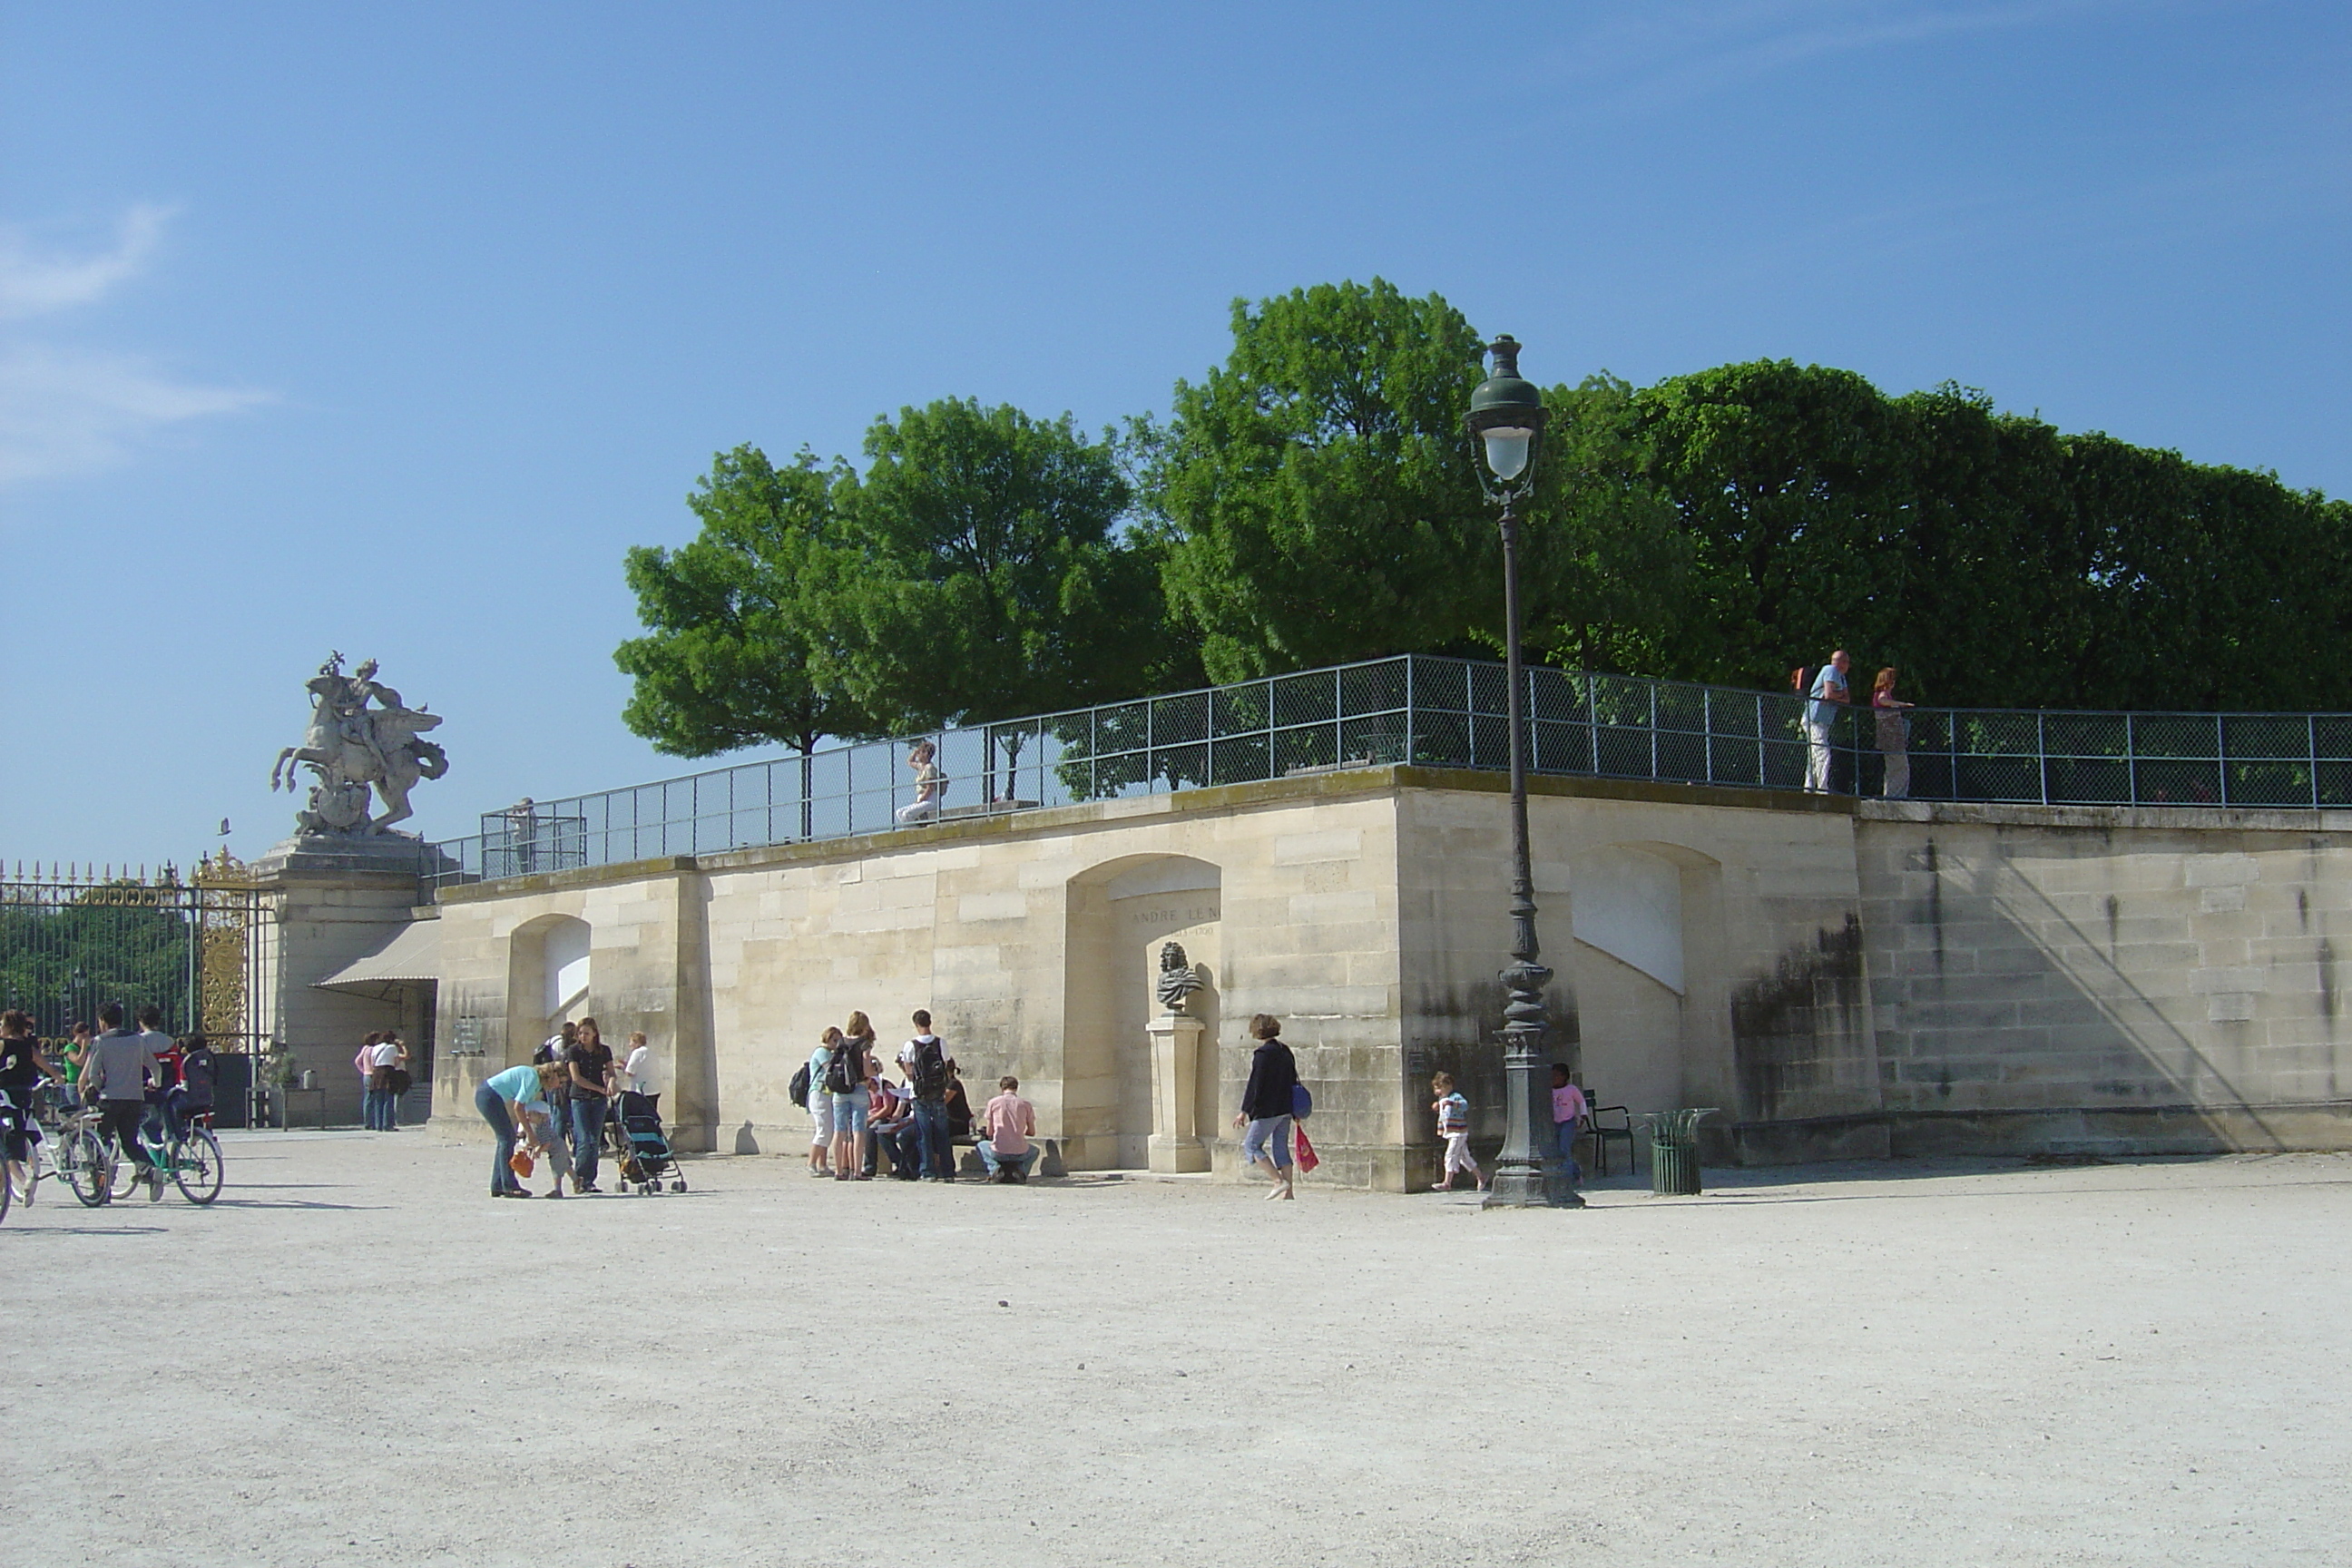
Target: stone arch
(550, 971)
(1122, 1105)
(1652, 1009)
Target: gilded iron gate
(203, 948)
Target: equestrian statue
(360, 736)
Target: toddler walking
(1453, 1126)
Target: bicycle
(192, 1159)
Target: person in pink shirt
(1567, 1113)
(1010, 1122)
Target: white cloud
(67, 409)
(32, 284)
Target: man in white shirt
(1828, 694)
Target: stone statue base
(1175, 1146)
(388, 854)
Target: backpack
(196, 1076)
(837, 1072)
(931, 1068)
(798, 1089)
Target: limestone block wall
(2152, 980)
(647, 967)
(326, 920)
(1705, 943)
(1838, 978)
(1033, 940)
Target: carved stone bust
(1176, 980)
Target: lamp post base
(1529, 1187)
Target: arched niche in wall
(1120, 914)
(1655, 909)
(548, 972)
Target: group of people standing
(1832, 689)
(564, 1095)
(382, 1064)
(918, 1120)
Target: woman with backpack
(845, 1082)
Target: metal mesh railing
(1438, 712)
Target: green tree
(999, 580)
(1606, 563)
(744, 642)
(1315, 488)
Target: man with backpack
(928, 1067)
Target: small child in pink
(1453, 1126)
(1567, 1113)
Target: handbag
(399, 1081)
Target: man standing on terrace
(1829, 688)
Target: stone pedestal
(1176, 1146)
(339, 899)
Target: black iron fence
(1437, 712)
(202, 950)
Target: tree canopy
(1312, 501)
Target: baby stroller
(645, 1154)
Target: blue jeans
(1568, 1132)
(931, 1140)
(587, 1132)
(372, 1110)
(494, 1111)
(1268, 1138)
(1017, 1163)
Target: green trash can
(1674, 1151)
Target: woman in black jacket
(1266, 1104)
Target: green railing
(1437, 712)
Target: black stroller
(635, 1132)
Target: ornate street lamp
(1506, 416)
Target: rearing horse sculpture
(353, 747)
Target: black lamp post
(1506, 415)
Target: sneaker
(155, 1186)
(591, 1187)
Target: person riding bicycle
(22, 1069)
(166, 1051)
(115, 1079)
(193, 1095)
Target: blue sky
(389, 329)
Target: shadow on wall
(745, 1142)
(2007, 1021)
(1800, 1044)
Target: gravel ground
(355, 1357)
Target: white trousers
(1457, 1153)
(1817, 757)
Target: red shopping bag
(1306, 1159)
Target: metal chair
(1603, 1133)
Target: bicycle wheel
(86, 1169)
(196, 1166)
